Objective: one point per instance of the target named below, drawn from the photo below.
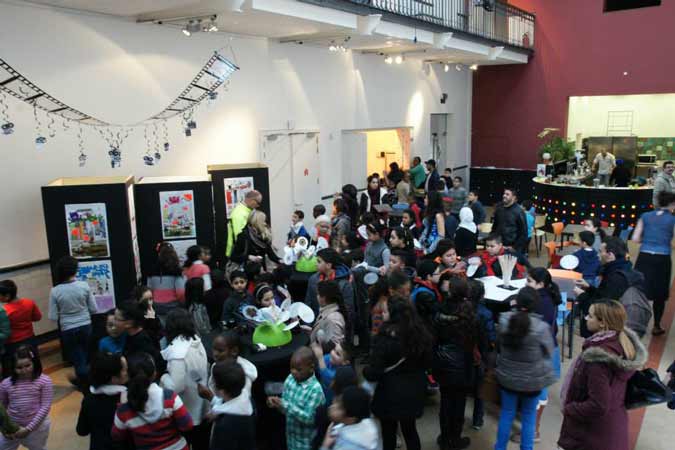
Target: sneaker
(460, 444)
(515, 437)
(658, 331)
(432, 385)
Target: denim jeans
(76, 345)
(528, 419)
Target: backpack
(637, 306)
(200, 316)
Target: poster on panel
(235, 190)
(87, 227)
(98, 275)
(178, 214)
(181, 248)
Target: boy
(589, 261)
(318, 210)
(397, 260)
(116, 338)
(458, 194)
(239, 297)
(339, 356)
(477, 207)
(489, 259)
(234, 423)
(352, 428)
(297, 227)
(301, 398)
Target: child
(378, 295)
(332, 323)
(194, 300)
(152, 325)
(21, 312)
(377, 253)
(263, 296)
(530, 216)
(238, 298)
(300, 400)
(228, 346)
(352, 427)
(108, 375)
(27, 396)
(206, 256)
(71, 304)
(215, 298)
(398, 259)
(318, 210)
(116, 338)
(152, 418)
(297, 227)
(234, 422)
(489, 259)
(589, 262)
(408, 221)
(476, 207)
(195, 267)
(447, 257)
(339, 356)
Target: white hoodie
(238, 406)
(187, 365)
(249, 370)
(359, 436)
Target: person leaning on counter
(604, 164)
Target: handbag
(645, 388)
(370, 386)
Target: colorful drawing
(178, 214)
(181, 248)
(87, 227)
(98, 275)
(235, 190)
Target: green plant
(558, 148)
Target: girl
(378, 294)
(216, 297)
(448, 260)
(408, 222)
(166, 281)
(330, 325)
(341, 223)
(523, 367)
(377, 253)
(549, 298)
(434, 223)
(654, 232)
(71, 304)
(195, 267)
(27, 396)
(595, 226)
(372, 196)
(349, 195)
(108, 376)
(399, 357)
(152, 325)
(228, 346)
(21, 312)
(194, 300)
(263, 296)
(458, 336)
(255, 242)
(401, 238)
(187, 365)
(466, 234)
(594, 415)
(152, 418)
(129, 319)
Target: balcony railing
(499, 22)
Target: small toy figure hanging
(148, 160)
(157, 154)
(7, 126)
(115, 143)
(82, 159)
(40, 140)
(165, 131)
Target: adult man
(433, 178)
(664, 181)
(330, 267)
(417, 173)
(617, 276)
(239, 218)
(604, 164)
(476, 207)
(458, 194)
(510, 222)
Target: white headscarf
(466, 219)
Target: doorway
(440, 136)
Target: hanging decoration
(203, 86)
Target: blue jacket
(589, 263)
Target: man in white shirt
(604, 164)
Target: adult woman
(401, 238)
(166, 281)
(457, 334)
(466, 234)
(341, 224)
(331, 324)
(654, 231)
(400, 354)
(523, 367)
(187, 365)
(349, 194)
(130, 318)
(372, 196)
(255, 242)
(434, 222)
(594, 415)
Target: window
(620, 5)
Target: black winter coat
(233, 432)
(96, 419)
(511, 224)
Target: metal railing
(499, 22)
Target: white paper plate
(370, 278)
(304, 312)
(569, 262)
(291, 325)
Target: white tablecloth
(497, 294)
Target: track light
(398, 59)
(213, 26)
(388, 60)
(446, 67)
(473, 67)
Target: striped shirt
(164, 434)
(27, 401)
(167, 288)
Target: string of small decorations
(7, 126)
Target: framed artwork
(181, 248)
(235, 190)
(178, 214)
(87, 228)
(98, 275)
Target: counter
(619, 207)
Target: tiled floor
(656, 433)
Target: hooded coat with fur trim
(595, 417)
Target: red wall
(579, 50)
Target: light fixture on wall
(388, 59)
(446, 67)
(473, 67)
(398, 59)
(196, 25)
(212, 27)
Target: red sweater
(22, 313)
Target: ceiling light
(473, 67)
(389, 60)
(398, 59)
(458, 67)
(213, 26)
(446, 67)
(332, 48)
(186, 32)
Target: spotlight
(473, 67)
(398, 59)
(213, 26)
(333, 47)
(186, 32)
(388, 60)
(446, 67)
(458, 67)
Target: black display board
(490, 183)
(114, 193)
(149, 216)
(219, 173)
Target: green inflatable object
(306, 265)
(271, 335)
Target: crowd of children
(171, 370)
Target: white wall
(123, 72)
(652, 114)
